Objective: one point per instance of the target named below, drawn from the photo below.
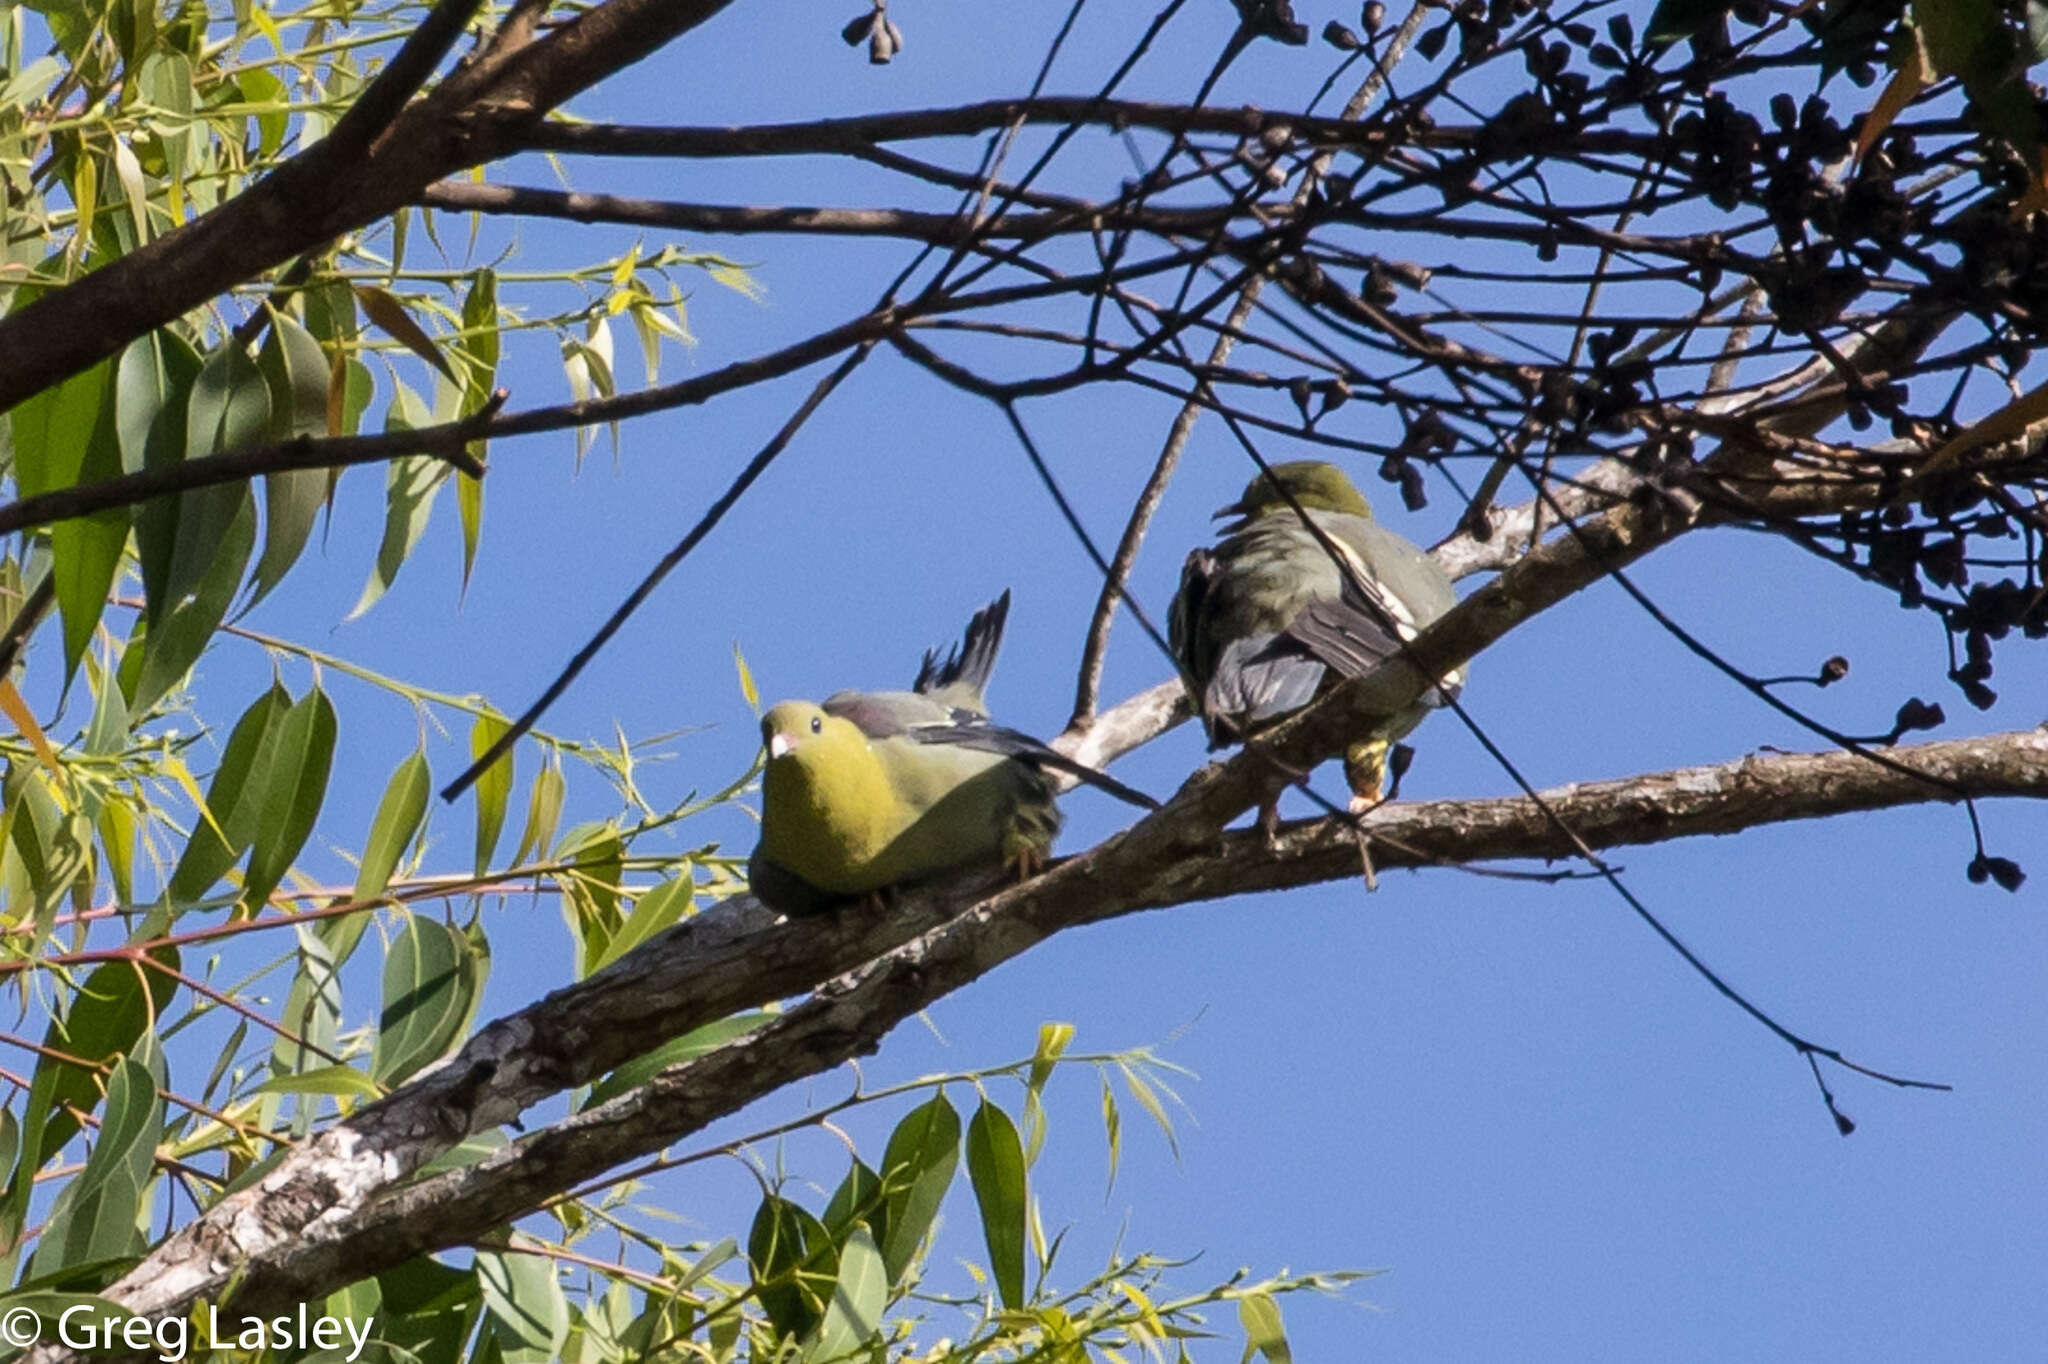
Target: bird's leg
(880, 900)
(1027, 863)
(1367, 767)
(1399, 760)
(1269, 805)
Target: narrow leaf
(293, 791)
(493, 787)
(391, 318)
(860, 1292)
(397, 822)
(917, 1168)
(432, 977)
(995, 1166)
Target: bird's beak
(1235, 509)
(779, 744)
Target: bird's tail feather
(962, 677)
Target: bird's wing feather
(974, 733)
(885, 714)
(1260, 677)
(1351, 633)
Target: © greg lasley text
(90, 1327)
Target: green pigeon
(1265, 619)
(869, 790)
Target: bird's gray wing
(886, 714)
(1245, 682)
(1352, 633)
(973, 731)
(1259, 678)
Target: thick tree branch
(330, 1212)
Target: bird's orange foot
(1025, 863)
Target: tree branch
(940, 229)
(329, 1214)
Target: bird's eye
(817, 723)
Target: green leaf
(411, 484)
(543, 811)
(50, 1307)
(341, 1082)
(857, 1199)
(493, 785)
(164, 81)
(479, 348)
(1113, 1131)
(297, 370)
(312, 1010)
(747, 687)
(111, 1012)
(1142, 1092)
(293, 790)
(427, 1311)
(917, 1168)
(654, 910)
(52, 844)
(674, 1052)
(590, 889)
(129, 172)
(262, 87)
(230, 404)
(390, 317)
(94, 1217)
(1053, 1039)
(161, 651)
(469, 510)
(399, 816)
(794, 1265)
(432, 978)
(1260, 1317)
(151, 385)
(189, 547)
(66, 437)
(995, 1166)
(234, 799)
(860, 1292)
(152, 389)
(524, 1297)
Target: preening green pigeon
(1265, 618)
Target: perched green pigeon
(873, 789)
(1265, 617)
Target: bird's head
(1315, 484)
(801, 730)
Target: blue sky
(1557, 1142)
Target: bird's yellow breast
(828, 812)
